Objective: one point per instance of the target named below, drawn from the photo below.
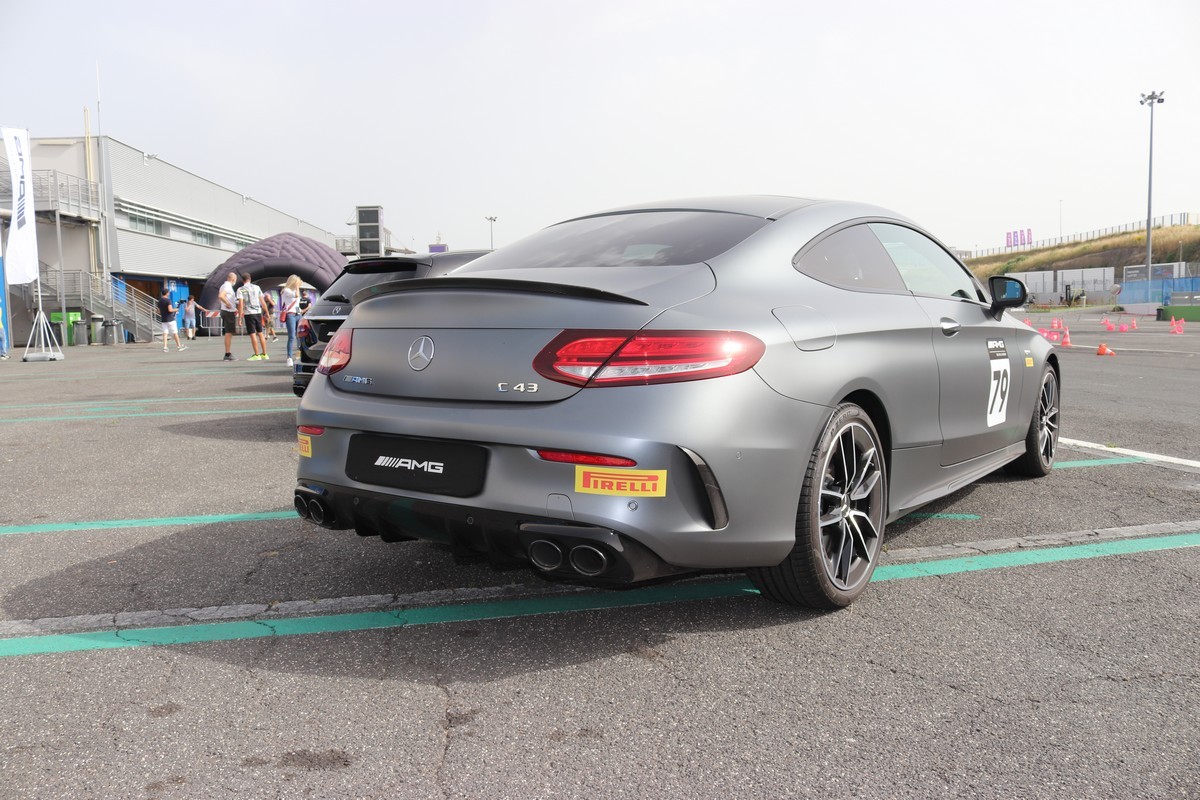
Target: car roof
(756, 205)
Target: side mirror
(1006, 293)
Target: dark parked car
(325, 316)
(755, 383)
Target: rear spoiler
(491, 285)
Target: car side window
(925, 267)
(851, 258)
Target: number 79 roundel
(999, 379)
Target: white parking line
(1182, 462)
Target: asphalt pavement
(169, 628)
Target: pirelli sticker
(304, 442)
(621, 482)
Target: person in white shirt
(289, 305)
(229, 312)
(249, 308)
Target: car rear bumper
(731, 480)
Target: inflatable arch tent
(277, 257)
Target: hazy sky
(971, 118)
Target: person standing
(229, 311)
(189, 317)
(249, 308)
(269, 317)
(167, 312)
(289, 305)
(4, 338)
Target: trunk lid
(475, 338)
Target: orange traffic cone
(1133, 324)
(1103, 350)
(1055, 324)
(1109, 326)
(1066, 338)
(1172, 320)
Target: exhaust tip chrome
(545, 555)
(301, 505)
(588, 561)
(316, 511)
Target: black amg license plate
(423, 465)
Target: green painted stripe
(148, 400)
(1024, 558)
(78, 376)
(504, 609)
(147, 522)
(369, 620)
(210, 412)
(1097, 462)
(919, 515)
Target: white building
(115, 223)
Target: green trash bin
(56, 319)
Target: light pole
(491, 232)
(1152, 99)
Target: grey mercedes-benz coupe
(757, 383)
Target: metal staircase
(94, 296)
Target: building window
(201, 237)
(145, 224)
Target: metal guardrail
(72, 196)
(1167, 221)
(137, 310)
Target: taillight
(311, 430)
(590, 459)
(303, 329)
(337, 352)
(628, 358)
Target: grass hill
(1118, 250)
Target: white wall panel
(147, 254)
(153, 182)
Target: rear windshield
(642, 239)
(348, 283)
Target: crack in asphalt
(399, 606)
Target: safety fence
(1167, 221)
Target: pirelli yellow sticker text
(621, 482)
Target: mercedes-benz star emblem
(420, 353)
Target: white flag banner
(20, 257)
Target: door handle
(949, 326)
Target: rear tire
(1041, 442)
(839, 520)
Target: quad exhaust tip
(548, 556)
(545, 555)
(588, 560)
(313, 508)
